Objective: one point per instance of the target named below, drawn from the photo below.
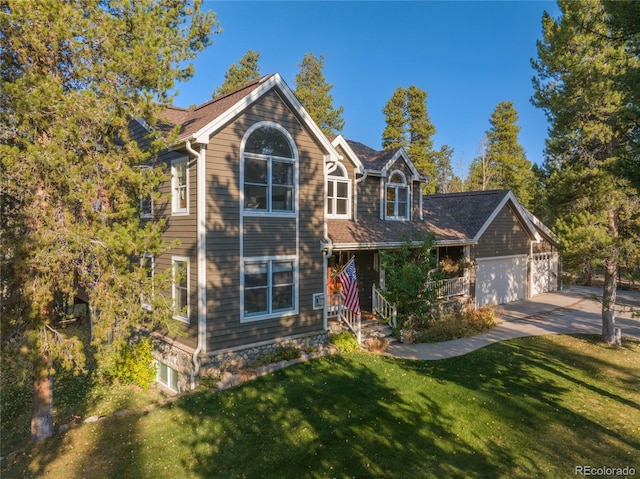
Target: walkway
(571, 311)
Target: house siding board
(262, 236)
(269, 236)
(369, 197)
(505, 236)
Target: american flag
(350, 287)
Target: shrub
(345, 342)
(134, 364)
(455, 326)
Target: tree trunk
(611, 334)
(42, 413)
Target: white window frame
(176, 209)
(148, 256)
(333, 199)
(397, 187)
(269, 313)
(180, 316)
(172, 376)
(270, 159)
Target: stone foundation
(177, 359)
(233, 360)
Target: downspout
(201, 258)
(327, 248)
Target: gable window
(338, 193)
(269, 287)
(397, 197)
(179, 187)
(269, 174)
(180, 290)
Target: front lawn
(532, 407)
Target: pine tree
(592, 192)
(245, 71)
(408, 125)
(502, 163)
(312, 89)
(74, 77)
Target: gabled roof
(198, 124)
(380, 162)
(466, 216)
(340, 141)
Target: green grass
(532, 407)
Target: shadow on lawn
(317, 424)
(531, 384)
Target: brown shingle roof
(454, 216)
(451, 217)
(370, 158)
(192, 120)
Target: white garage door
(544, 273)
(501, 280)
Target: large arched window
(338, 193)
(397, 197)
(269, 169)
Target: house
(499, 250)
(246, 200)
(265, 206)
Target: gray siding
(506, 236)
(263, 236)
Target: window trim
(334, 199)
(397, 187)
(148, 305)
(269, 211)
(176, 210)
(187, 314)
(172, 376)
(270, 313)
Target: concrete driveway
(570, 311)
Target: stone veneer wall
(232, 360)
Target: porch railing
(445, 288)
(382, 308)
(337, 309)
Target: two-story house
(265, 205)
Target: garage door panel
(501, 280)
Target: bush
(460, 325)
(134, 364)
(345, 342)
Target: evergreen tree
(74, 77)
(395, 133)
(312, 89)
(591, 187)
(246, 70)
(446, 180)
(502, 163)
(408, 125)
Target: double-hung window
(397, 197)
(180, 289)
(338, 193)
(180, 187)
(269, 287)
(269, 173)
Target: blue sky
(468, 56)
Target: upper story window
(269, 170)
(147, 263)
(397, 197)
(338, 193)
(179, 187)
